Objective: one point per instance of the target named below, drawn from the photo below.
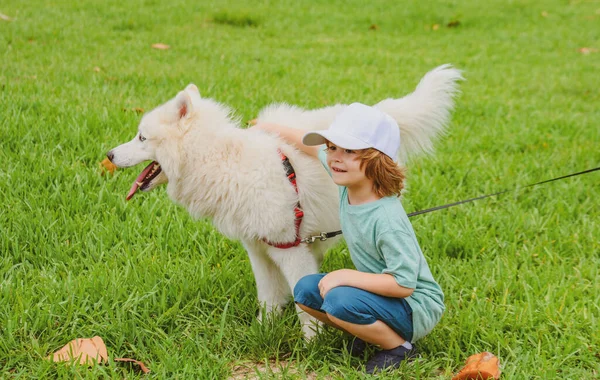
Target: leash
(326, 235)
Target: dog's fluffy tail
(424, 114)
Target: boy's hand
(291, 136)
(333, 280)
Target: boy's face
(345, 167)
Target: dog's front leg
(296, 263)
(272, 288)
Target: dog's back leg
(272, 288)
(294, 264)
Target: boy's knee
(308, 283)
(340, 303)
(306, 291)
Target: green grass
(520, 272)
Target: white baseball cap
(359, 126)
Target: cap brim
(340, 139)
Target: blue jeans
(355, 305)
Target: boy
(391, 299)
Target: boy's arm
(378, 283)
(290, 135)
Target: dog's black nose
(110, 155)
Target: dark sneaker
(389, 359)
(356, 347)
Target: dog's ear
(194, 94)
(192, 89)
(183, 102)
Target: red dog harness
(291, 174)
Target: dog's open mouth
(143, 180)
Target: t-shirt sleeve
(323, 158)
(401, 254)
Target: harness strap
(291, 174)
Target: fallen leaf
(85, 350)
(89, 351)
(134, 109)
(435, 26)
(544, 14)
(5, 17)
(142, 366)
(453, 24)
(96, 69)
(26, 77)
(480, 366)
(161, 46)
(373, 27)
(587, 50)
(253, 122)
(108, 166)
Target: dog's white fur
(235, 176)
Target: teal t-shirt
(381, 239)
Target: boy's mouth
(338, 170)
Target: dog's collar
(291, 174)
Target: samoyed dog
(236, 176)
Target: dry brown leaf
(5, 17)
(544, 14)
(373, 27)
(96, 69)
(484, 365)
(108, 166)
(89, 351)
(134, 109)
(161, 46)
(587, 50)
(453, 24)
(253, 122)
(435, 26)
(142, 366)
(84, 350)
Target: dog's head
(157, 139)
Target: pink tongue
(139, 180)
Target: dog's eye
(142, 138)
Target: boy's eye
(142, 138)
(349, 151)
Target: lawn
(520, 272)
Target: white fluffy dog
(235, 177)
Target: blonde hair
(387, 176)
